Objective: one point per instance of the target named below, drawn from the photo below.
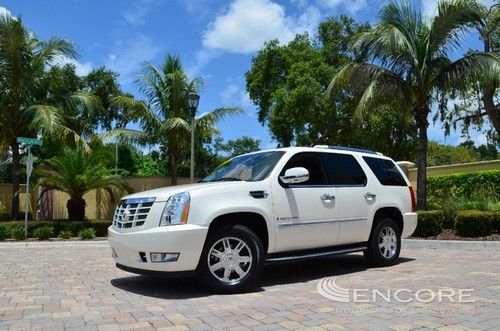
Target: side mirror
(295, 175)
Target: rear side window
(386, 171)
(342, 170)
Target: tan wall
(100, 207)
(98, 203)
(454, 169)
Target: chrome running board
(311, 255)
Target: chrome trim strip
(300, 223)
(319, 254)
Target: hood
(162, 194)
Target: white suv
(268, 206)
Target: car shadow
(274, 274)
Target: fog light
(164, 257)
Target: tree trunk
(173, 167)
(14, 212)
(421, 119)
(489, 106)
(489, 92)
(76, 209)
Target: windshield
(249, 167)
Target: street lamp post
(194, 100)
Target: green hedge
(4, 232)
(430, 223)
(101, 227)
(465, 185)
(474, 223)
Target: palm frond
(45, 118)
(217, 114)
(175, 123)
(123, 135)
(474, 67)
(453, 18)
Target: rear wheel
(232, 260)
(384, 244)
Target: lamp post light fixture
(193, 101)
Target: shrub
(430, 223)
(474, 223)
(17, 232)
(65, 234)
(4, 232)
(495, 222)
(43, 232)
(464, 185)
(455, 204)
(100, 227)
(87, 234)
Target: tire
(224, 269)
(382, 253)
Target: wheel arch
(252, 220)
(391, 212)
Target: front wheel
(232, 260)
(384, 244)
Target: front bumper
(187, 240)
(409, 224)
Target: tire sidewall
(375, 256)
(256, 248)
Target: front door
(306, 213)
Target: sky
(215, 39)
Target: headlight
(176, 210)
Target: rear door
(356, 195)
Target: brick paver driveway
(76, 285)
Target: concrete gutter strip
(54, 244)
(451, 244)
(407, 244)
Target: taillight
(412, 197)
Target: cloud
(227, 94)
(201, 58)
(247, 24)
(136, 14)
(5, 12)
(81, 69)
(128, 55)
(351, 6)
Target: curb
(451, 244)
(55, 244)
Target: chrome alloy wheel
(229, 260)
(387, 242)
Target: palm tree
(411, 64)
(489, 32)
(23, 60)
(165, 115)
(78, 171)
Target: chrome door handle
(370, 196)
(327, 197)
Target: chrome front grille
(132, 212)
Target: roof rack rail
(345, 148)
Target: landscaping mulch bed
(449, 234)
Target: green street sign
(29, 141)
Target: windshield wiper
(227, 179)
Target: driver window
(311, 163)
